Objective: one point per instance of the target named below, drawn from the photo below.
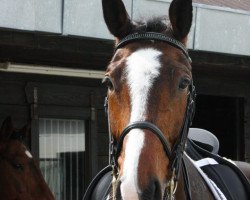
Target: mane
(154, 24)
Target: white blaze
(143, 67)
(28, 154)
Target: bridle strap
(175, 154)
(179, 145)
(143, 125)
(112, 161)
(186, 181)
(153, 36)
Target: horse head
(20, 176)
(149, 84)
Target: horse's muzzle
(152, 191)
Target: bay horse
(20, 176)
(150, 106)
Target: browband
(153, 36)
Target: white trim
(51, 70)
(205, 161)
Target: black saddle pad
(228, 177)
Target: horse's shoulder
(198, 185)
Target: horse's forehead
(145, 57)
(142, 66)
(142, 58)
(15, 147)
(143, 63)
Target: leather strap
(143, 125)
(175, 154)
(153, 36)
(187, 187)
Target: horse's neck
(198, 187)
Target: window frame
(85, 109)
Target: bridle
(175, 154)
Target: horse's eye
(108, 82)
(17, 166)
(184, 83)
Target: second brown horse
(20, 176)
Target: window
(63, 128)
(61, 153)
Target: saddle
(227, 180)
(204, 139)
(231, 182)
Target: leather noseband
(143, 125)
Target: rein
(175, 154)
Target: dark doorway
(223, 116)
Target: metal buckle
(172, 186)
(106, 105)
(115, 175)
(113, 181)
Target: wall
(58, 97)
(214, 29)
(225, 77)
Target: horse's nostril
(152, 191)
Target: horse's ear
(6, 129)
(116, 18)
(25, 131)
(180, 14)
(24, 135)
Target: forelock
(154, 24)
